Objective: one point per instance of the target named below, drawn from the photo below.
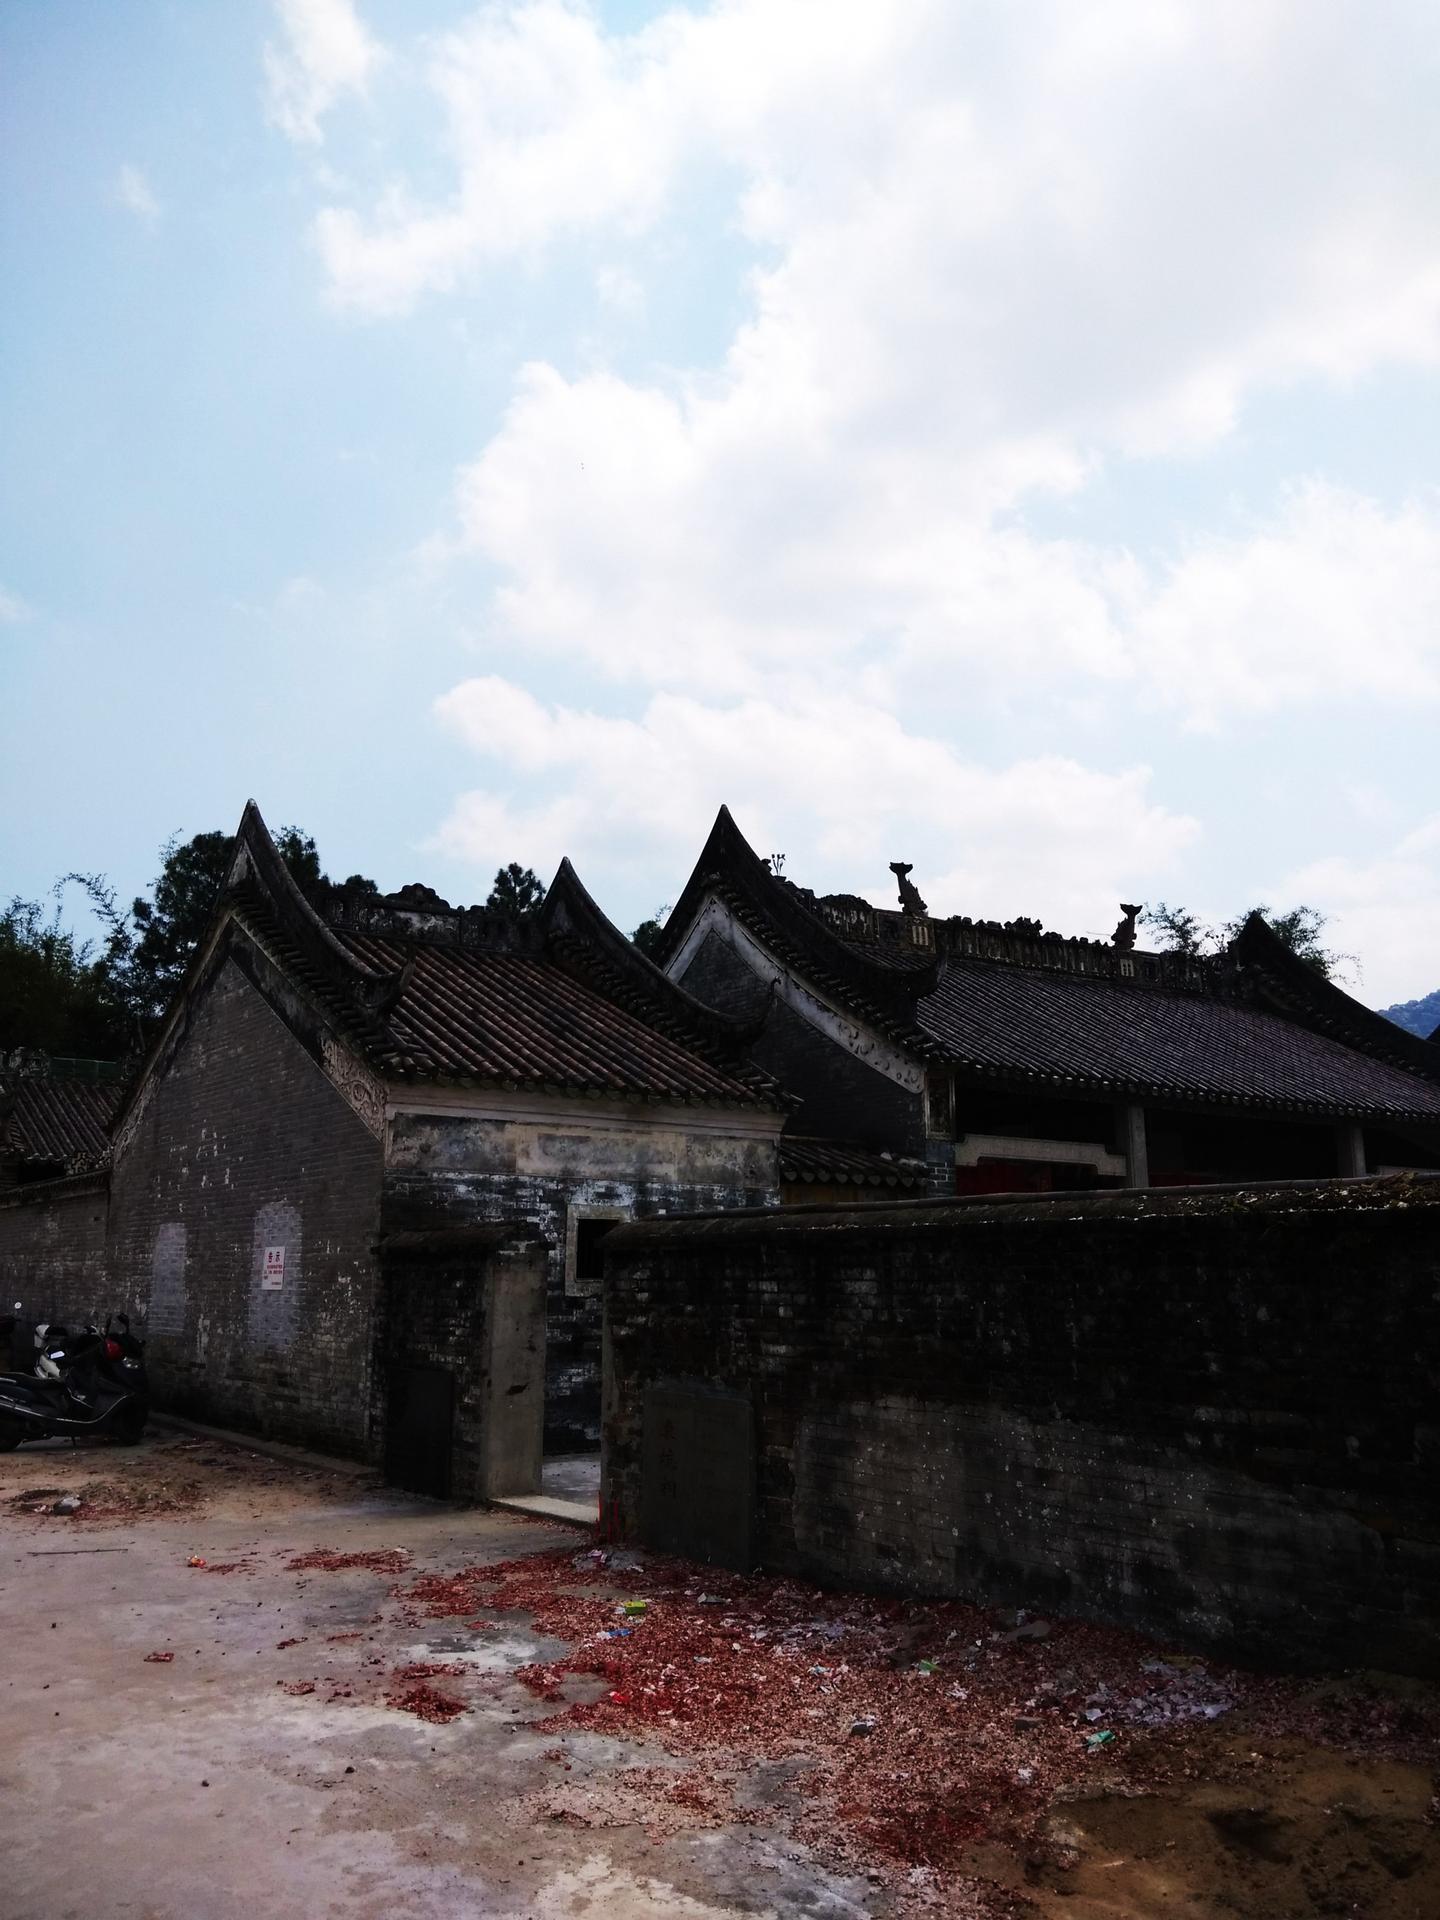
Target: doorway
(419, 1430)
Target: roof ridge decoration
(790, 915)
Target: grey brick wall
(52, 1251)
(245, 1145)
(1214, 1417)
(447, 1172)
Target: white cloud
(1103, 221)
(620, 292)
(1387, 910)
(633, 798)
(992, 251)
(12, 609)
(133, 192)
(1335, 600)
(327, 52)
(711, 538)
(1004, 248)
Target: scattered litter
(1027, 1630)
(195, 1560)
(297, 1641)
(634, 1606)
(296, 1687)
(71, 1503)
(160, 1659)
(863, 1725)
(927, 1667)
(1100, 1739)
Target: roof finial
(910, 901)
(1124, 935)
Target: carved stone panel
(356, 1083)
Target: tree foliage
(148, 949)
(54, 997)
(1300, 928)
(58, 995)
(517, 889)
(648, 935)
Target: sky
(999, 437)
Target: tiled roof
(832, 1163)
(58, 1120)
(1254, 1027)
(519, 1019)
(1076, 1032)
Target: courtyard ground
(235, 1684)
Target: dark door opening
(419, 1430)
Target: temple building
(346, 1096)
(954, 1055)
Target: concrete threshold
(268, 1449)
(546, 1506)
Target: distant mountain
(1417, 1016)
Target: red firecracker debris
(426, 1703)
(973, 1724)
(297, 1641)
(326, 1560)
(296, 1687)
(160, 1659)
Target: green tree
(53, 994)
(1180, 932)
(148, 949)
(517, 889)
(1301, 929)
(648, 935)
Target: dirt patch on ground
(1291, 1830)
(171, 1473)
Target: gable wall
(843, 1097)
(242, 1143)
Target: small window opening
(589, 1239)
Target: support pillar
(1350, 1151)
(1137, 1153)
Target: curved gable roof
(1256, 1028)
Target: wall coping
(1368, 1193)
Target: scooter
(103, 1391)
